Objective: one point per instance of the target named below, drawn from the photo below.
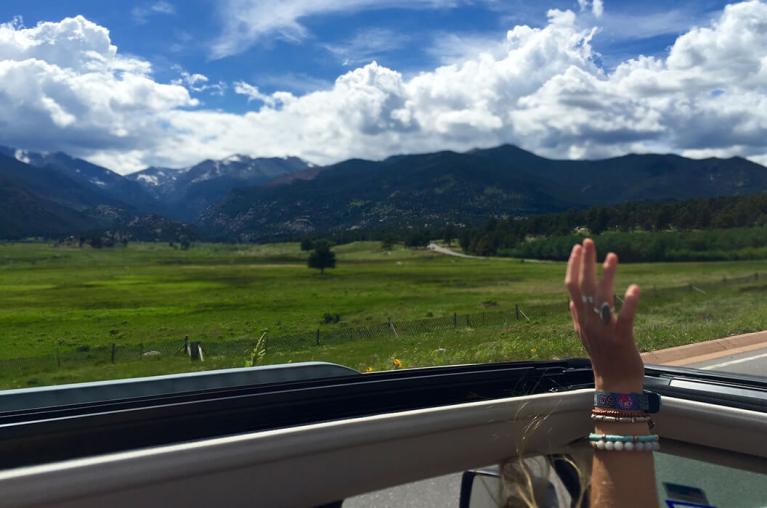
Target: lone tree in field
(322, 257)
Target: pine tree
(322, 258)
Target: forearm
(623, 479)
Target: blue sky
(175, 33)
(206, 78)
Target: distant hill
(23, 214)
(187, 192)
(55, 186)
(104, 185)
(467, 188)
(48, 201)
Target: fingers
(625, 324)
(574, 315)
(572, 274)
(608, 279)
(588, 269)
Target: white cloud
(450, 48)
(296, 82)
(199, 83)
(252, 92)
(245, 22)
(366, 45)
(65, 86)
(142, 12)
(597, 7)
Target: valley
(82, 305)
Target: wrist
(638, 429)
(618, 386)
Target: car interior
(713, 439)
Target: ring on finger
(605, 312)
(587, 299)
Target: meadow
(64, 300)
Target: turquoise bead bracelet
(616, 442)
(617, 437)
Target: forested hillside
(715, 228)
(432, 190)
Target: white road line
(733, 362)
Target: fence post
(468, 323)
(393, 328)
(196, 354)
(114, 350)
(455, 320)
(186, 346)
(516, 308)
(317, 337)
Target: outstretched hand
(608, 339)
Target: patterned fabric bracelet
(618, 443)
(646, 401)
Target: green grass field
(75, 299)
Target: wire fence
(237, 352)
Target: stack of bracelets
(625, 408)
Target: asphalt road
(753, 363)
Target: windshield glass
(192, 185)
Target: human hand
(617, 365)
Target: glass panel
(439, 491)
(684, 479)
(384, 185)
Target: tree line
(713, 228)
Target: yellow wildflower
(397, 363)
(369, 369)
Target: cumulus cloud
(540, 88)
(63, 86)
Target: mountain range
(245, 198)
(417, 191)
(187, 192)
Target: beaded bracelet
(624, 419)
(616, 442)
(616, 412)
(621, 419)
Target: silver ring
(587, 299)
(605, 312)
